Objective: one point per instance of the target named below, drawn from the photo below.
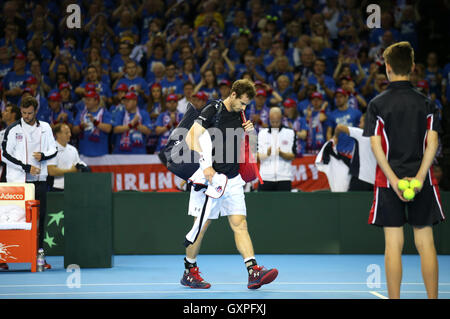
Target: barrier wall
(279, 223)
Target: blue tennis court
(158, 276)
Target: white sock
(192, 261)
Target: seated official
(67, 159)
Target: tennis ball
(415, 183)
(409, 194)
(403, 184)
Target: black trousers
(40, 190)
(280, 186)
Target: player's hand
(209, 173)
(248, 126)
(35, 170)
(37, 156)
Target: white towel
(214, 190)
(10, 214)
(338, 173)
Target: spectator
(67, 98)
(57, 113)
(118, 105)
(199, 100)
(93, 125)
(156, 73)
(276, 150)
(224, 88)
(316, 117)
(67, 159)
(43, 81)
(15, 79)
(188, 90)
(258, 112)
(208, 84)
(131, 126)
(296, 122)
(6, 64)
(135, 83)
(355, 99)
(93, 81)
(189, 72)
(345, 115)
(11, 39)
(324, 83)
(118, 61)
(167, 121)
(433, 73)
(171, 84)
(283, 90)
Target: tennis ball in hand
(409, 194)
(415, 183)
(403, 184)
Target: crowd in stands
(121, 81)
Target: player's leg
(193, 250)
(191, 276)
(424, 241)
(394, 240)
(244, 245)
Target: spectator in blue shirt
(131, 126)
(167, 121)
(15, 79)
(316, 119)
(92, 79)
(6, 63)
(118, 60)
(345, 115)
(93, 125)
(135, 83)
(325, 84)
(171, 84)
(293, 120)
(57, 113)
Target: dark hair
(400, 56)
(244, 86)
(15, 110)
(28, 101)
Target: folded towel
(11, 214)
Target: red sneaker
(47, 266)
(261, 276)
(194, 280)
(4, 266)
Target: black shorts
(389, 211)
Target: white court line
(218, 283)
(202, 292)
(378, 295)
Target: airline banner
(146, 173)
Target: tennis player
(225, 117)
